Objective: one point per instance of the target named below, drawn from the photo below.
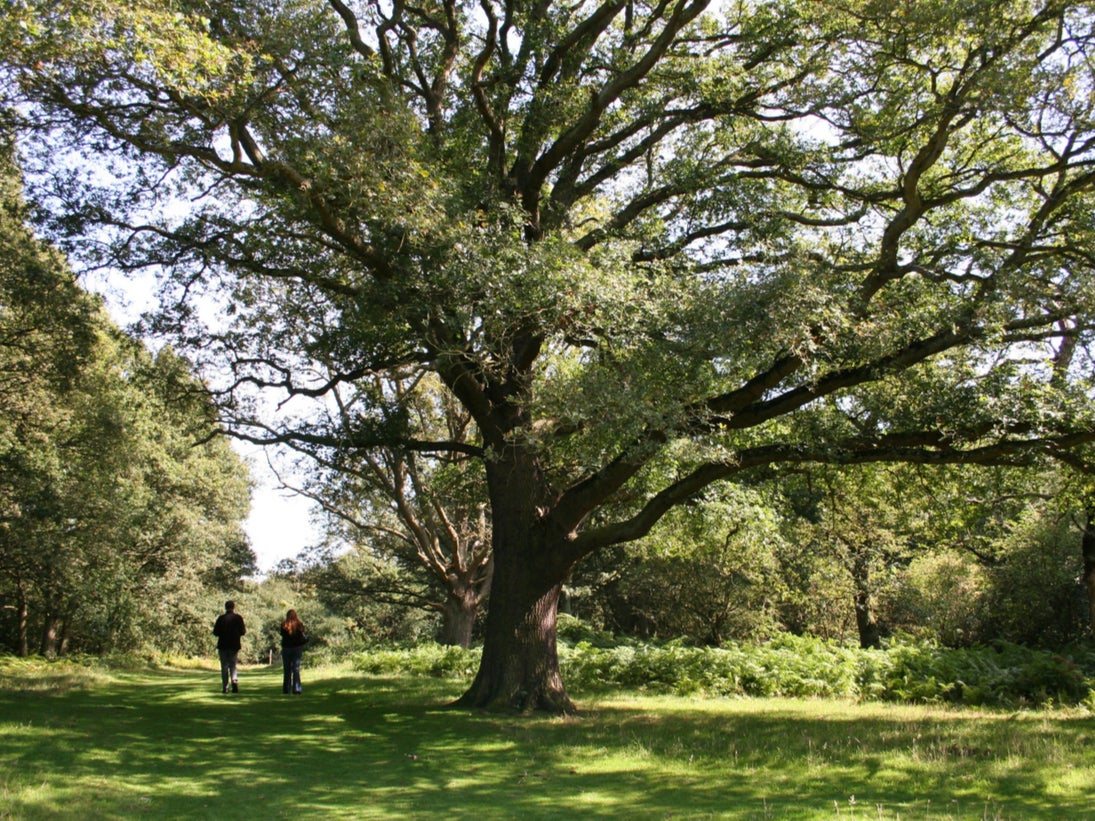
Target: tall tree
(47, 333)
(113, 510)
(634, 240)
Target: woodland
(696, 321)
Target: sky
(279, 526)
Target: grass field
(168, 744)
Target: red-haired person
(293, 639)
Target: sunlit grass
(167, 744)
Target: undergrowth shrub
(1002, 675)
(425, 659)
(36, 673)
(997, 675)
(787, 666)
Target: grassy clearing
(167, 744)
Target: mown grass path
(167, 744)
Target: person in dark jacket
(293, 639)
(228, 629)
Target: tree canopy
(647, 246)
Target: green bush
(1034, 598)
(426, 659)
(1003, 675)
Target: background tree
(633, 240)
(984, 554)
(708, 573)
(47, 332)
(1032, 595)
(264, 604)
(187, 533)
(114, 514)
(1087, 549)
(426, 515)
(866, 526)
(341, 582)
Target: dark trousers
(290, 663)
(228, 666)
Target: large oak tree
(646, 245)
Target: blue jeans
(290, 663)
(228, 666)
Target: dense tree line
(955, 557)
(120, 512)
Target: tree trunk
(1087, 543)
(458, 620)
(24, 613)
(519, 670)
(62, 635)
(48, 644)
(24, 647)
(870, 635)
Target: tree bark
(519, 667)
(49, 641)
(458, 620)
(870, 635)
(1087, 543)
(519, 670)
(24, 613)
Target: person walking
(228, 629)
(293, 639)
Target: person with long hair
(293, 639)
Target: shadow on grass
(169, 745)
